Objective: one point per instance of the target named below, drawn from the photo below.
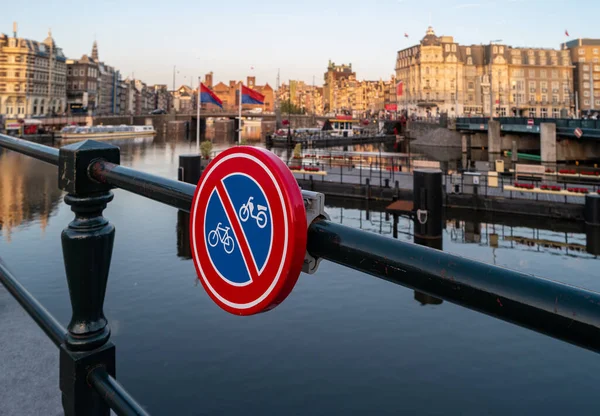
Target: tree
(290, 108)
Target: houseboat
(76, 133)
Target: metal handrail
(561, 311)
(55, 331)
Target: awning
(32, 121)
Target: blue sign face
(238, 229)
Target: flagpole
(240, 122)
(198, 114)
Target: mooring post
(190, 171)
(428, 206)
(87, 245)
(190, 168)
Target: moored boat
(76, 133)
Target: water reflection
(28, 192)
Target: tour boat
(72, 133)
(343, 126)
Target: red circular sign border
(296, 220)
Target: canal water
(342, 343)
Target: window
(468, 51)
(581, 51)
(586, 102)
(532, 73)
(544, 85)
(554, 73)
(581, 59)
(532, 99)
(543, 73)
(532, 112)
(470, 97)
(453, 48)
(544, 98)
(595, 60)
(544, 112)
(586, 85)
(586, 67)
(501, 49)
(555, 113)
(597, 102)
(586, 76)
(595, 51)
(452, 97)
(532, 87)
(555, 99)
(81, 73)
(495, 49)
(447, 48)
(566, 74)
(586, 93)
(426, 70)
(469, 61)
(596, 67)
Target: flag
(207, 96)
(251, 97)
(399, 87)
(567, 33)
(405, 34)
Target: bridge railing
(87, 171)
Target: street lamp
(491, 57)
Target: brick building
(229, 94)
(82, 85)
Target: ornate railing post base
(78, 398)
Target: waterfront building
(585, 54)
(308, 98)
(334, 75)
(82, 85)
(33, 77)
(161, 97)
(182, 99)
(441, 76)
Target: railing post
(87, 249)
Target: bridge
(565, 127)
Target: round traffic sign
(248, 230)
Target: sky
(146, 39)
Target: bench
(530, 172)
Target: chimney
(208, 80)
(232, 84)
(15, 29)
(250, 81)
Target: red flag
(567, 32)
(399, 89)
(405, 34)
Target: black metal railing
(88, 170)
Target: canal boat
(343, 126)
(76, 133)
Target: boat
(342, 126)
(76, 133)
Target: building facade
(585, 54)
(33, 77)
(161, 97)
(332, 78)
(82, 85)
(441, 76)
(308, 98)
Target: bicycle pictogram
(221, 234)
(247, 211)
